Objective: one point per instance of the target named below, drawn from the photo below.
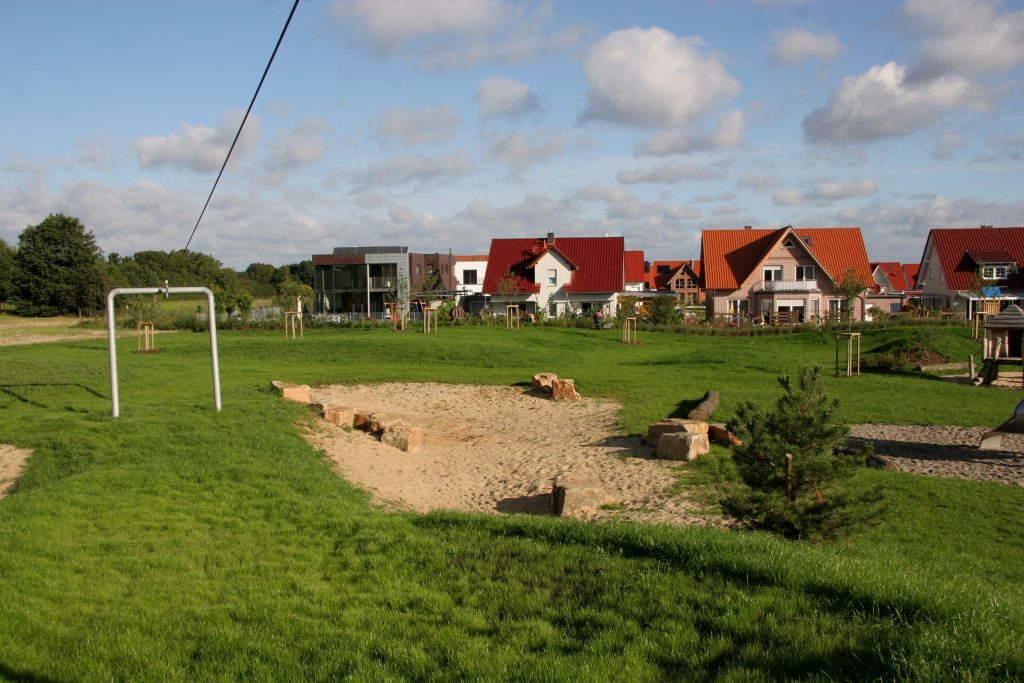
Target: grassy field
(179, 543)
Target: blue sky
(440, 124)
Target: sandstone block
(564, 390)
(361, 420)
(674, 425)
(682, 446)
(544, 380)
(403, 437)
(342, 416)
(571, 494)
(297, 392)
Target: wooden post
(429, 321)
(971, 369)
(146, 342)
(511, 316)
(292, 320)
(629, 331)
(853, 340)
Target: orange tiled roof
(729, 256)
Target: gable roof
(598, 261)
(911, 270)
(893, 273)
(729, 256)
(953, 246)
(664, 280)
(634, 264)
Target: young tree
(663, 309)
(58, 268)
(790, 459)
(6, 274)
(850, 286)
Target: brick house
(781, 274)
(681, 277)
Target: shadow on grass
(8, 673)
(938, 452)
(9, 389)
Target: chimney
(748, 227)
(550, 241)
(986, 226)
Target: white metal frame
(112, 339)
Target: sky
(441, 124)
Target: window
(469, 277)
(417, 269)
(789, 243)
(805, 272)
(680, 283)
(993, 273)
(772, 273)
(662, 270)
(835, 305)
(552, 277)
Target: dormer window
(789, 243)
(993, 272)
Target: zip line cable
(233, 142)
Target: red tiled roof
(598, 261)
(729, 256)
(981, 256)
(893, 272)
(658, 280)
(634, 263)
(953, 244)
(911, 270)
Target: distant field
(177, 543)
(15, 330)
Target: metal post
(112, 337)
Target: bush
(792, 462)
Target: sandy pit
(12, 460)
(496, 449)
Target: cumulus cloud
(725, 210)
(425, 125)
(681, 213)
(965, 37)
(653, 78)
(785, 197)
(669, 173)
(450, 34)
(199, 148)
(299, 146)
(724, 197)
(505, 98)
(831, 190)
(418, 169)
(797, 46)
(946, 143)
(758, 182)
(881, 103)
(1004, 148)
(519, 151)
(728, 132)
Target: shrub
(792, 462)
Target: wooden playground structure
(293, 319)
(629, 331)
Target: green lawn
(179, 543)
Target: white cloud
(725, 210)
(681, 213)
(785, 197)
(669, 173)
(880, 103)
(452, 34)
(797, 46)
(391, 23)
(519, 151)
(728, 132)
(603, 193)
(724, 197)
(758, 182)
(965, 36)
(304, 144)
(503, 97)
(199, 148)
(422, 126)
(652, 78)
(831, 190)
(418, 169)
(946, 143)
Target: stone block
(297, 392)
(361, 420)
(342, 416)
(682, 446)
(718, 433)
(564, 390)
(544, 380)
(403, 437)
(674, 425)
(571, 494)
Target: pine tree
(792, 461)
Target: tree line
(58, 268)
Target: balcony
(788, 286)
(382, 283)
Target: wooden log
(707, 406)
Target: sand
(496, 449)
(12, 460)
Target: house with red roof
(556, 275)
(635, 271)
(961, 267)
(779, 274)
(893, 286)
(681, 277)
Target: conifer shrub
(796, 468)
